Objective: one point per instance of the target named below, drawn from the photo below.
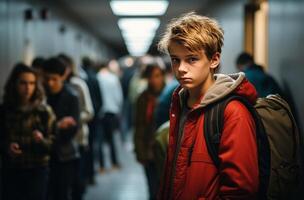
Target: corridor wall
(230, 16)
(286, 39)
(23, 39)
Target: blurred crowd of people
(55, 115)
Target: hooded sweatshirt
(189, 170)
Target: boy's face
(193, 70)
(54, 82)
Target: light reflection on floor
(128, 183)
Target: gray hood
(224, 85)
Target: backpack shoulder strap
(213, 128)
(214, 124)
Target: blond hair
(195, 32)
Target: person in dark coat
(264, 83)
(64, 101)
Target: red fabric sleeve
(239, 174)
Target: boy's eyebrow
(188, 55)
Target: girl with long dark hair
(26, 128)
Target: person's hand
(38, 136)
(66, 122)
(14, 149)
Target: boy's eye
(192, 59)
(174, 60)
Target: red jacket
(196, 177)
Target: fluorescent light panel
(138, 39)
(144, 24)
(139, 8)
(138, 33)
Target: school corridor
(126, 183)
(113, 99)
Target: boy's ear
(215, 60)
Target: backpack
(277, 142)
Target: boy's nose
(182, 67)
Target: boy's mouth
(185, 80)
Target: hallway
(128, 183)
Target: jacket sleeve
(3, 143)
(74, 112)
(49, 130)
(238, 154)
(139, 128)
(87, 113)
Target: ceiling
(97, 16)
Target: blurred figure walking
(145, 124)
(89, 74)
(112, 107)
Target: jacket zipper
(173, 172)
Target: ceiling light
(139, 8)
(145, 24)
(138, 33)
(142, 34)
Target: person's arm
(66, 134)
(7, 146)
(118, 93)
(87, 111)
(44, 139)
(139, 128)
(2, 131)
(239, 175)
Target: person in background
(37, 64)
(145, 124)
(160, 145)
(65, 155)
(90, 76)
(112, 107)
(164, 102)
(263, 82)
(128, 65)
(27, 133)
(86, 115)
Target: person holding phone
(27, 133)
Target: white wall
(230, 15)
(22, 40)
(286, 40)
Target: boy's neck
(196, 94)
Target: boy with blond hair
(194, 44)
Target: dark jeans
(109, 125)
(151, 174)
(64, 180)
(25, 184)
(95, 129)
(83, 169)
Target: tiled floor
(128, 183)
